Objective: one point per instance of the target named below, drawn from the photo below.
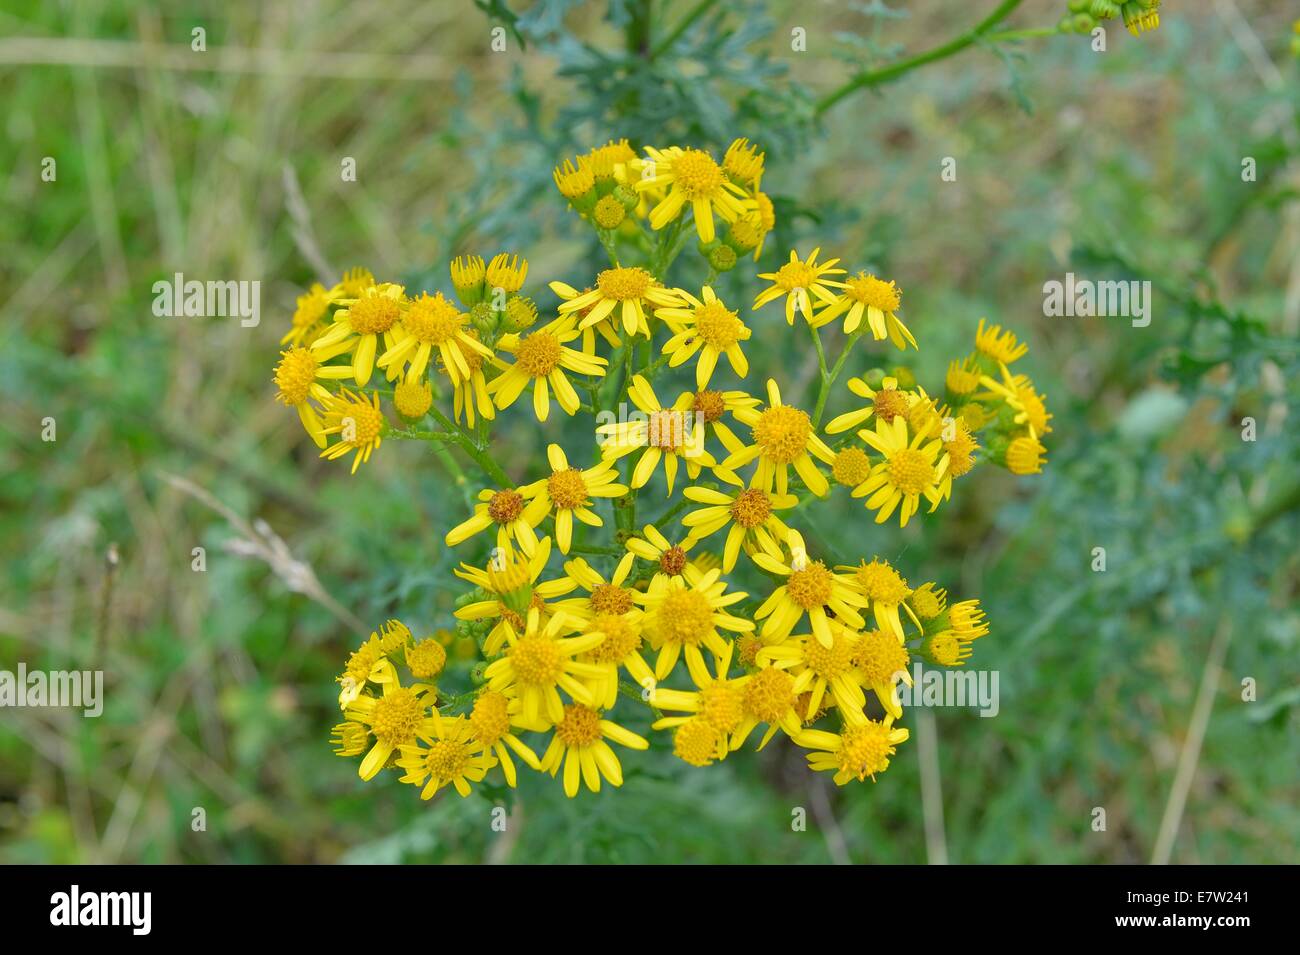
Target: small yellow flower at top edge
(673, 435)
(684, 615)
(298, 380)
(810, 588)
(357, 421)
(693, 178)
(998, 345)
(506, 509)
(568, 493)
(877, 300)
(803, 283)
(449, 755)
(858, 751)
(541, 661)
(541, 358)
(783, 437)
(621, 294)
(821, 669)
(751, 512)
(579, 745)
(708, 328)
(360, 325)
(911, 469)
(887, 402)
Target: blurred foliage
(1123, 165)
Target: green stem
(467, 444)
(895, 70)
(695, 13)
(829, 378)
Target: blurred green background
(225, 164)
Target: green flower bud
(484, 319)
(722, 258)
(626, 196)
(521, 313)
(906, 379)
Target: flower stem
(892, 72)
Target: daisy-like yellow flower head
(579, 745)
(358, 423)
(362, 323)
(541, 359)
(911, 469)
(298, 380)
(859, 751)
(396, 719)
(803, 283)
(673, 435)
(433, 324)
(309, 316)
(707, 328)
(963, 377)
(467, 275)
(751, 513)
(885, 591)
(541, 662)
(1018, 392)
(866, 296)
(886, 402)
(506, 510)
(810, 589)
(783, 437)
(1025, 455)
(568, 494)
(621, 294)
(684, 615)
(693, 178)
(576, 183)
(451, 756)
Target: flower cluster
(1139, 16)
(718, 620)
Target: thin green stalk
(829, 378)
(466, 443)
(683, 25)
(895, 70)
